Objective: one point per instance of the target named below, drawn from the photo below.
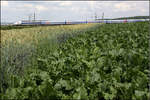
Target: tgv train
(45, 22)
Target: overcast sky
(12, 11)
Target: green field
(22, 45)
(87, 61)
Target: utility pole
(86, 20)
(103, 16)
(95, 16)
(29, 18)
(34, 16)
(65, 21)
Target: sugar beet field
(85, 61)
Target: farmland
(21, 45)
(88, 61)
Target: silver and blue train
(43, 22)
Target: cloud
(66, 3)
(123, 7)
(4, 3)
(41, 8)
(27, 6)
(131, 6)
(72, 10)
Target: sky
(12, 11)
